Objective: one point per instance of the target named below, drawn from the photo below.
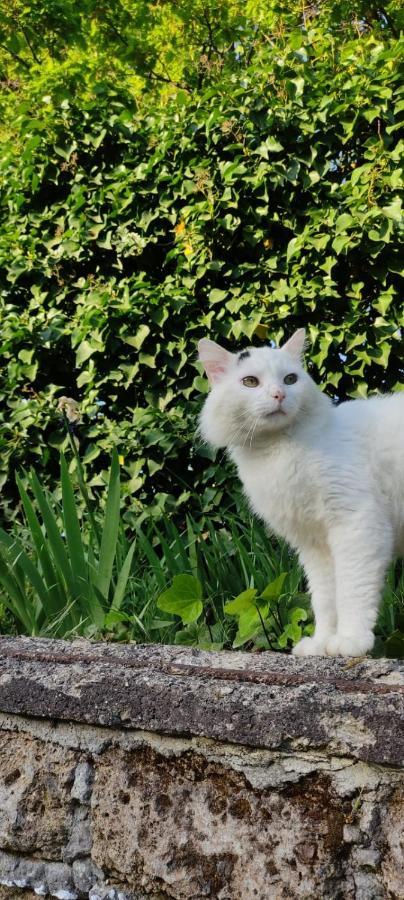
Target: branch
(15, 56)
(210, 30)
(30, 45)
(178, 84)
(115, 31)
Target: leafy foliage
(61, 581)
(175, 170)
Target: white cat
(329, 479)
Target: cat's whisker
(251, 428)
(253, 431)
(235, 435)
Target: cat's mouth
(275, 412)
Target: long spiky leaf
(73, 532)
(56, 594)
(56, 544)
(110, 529)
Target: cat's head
(254, 393)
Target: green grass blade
(192, 552)
(73, 531)
(96, 613)
(178, 542)
(56, 594)
(17, 554)
(123, 578)
(110, 529)
(153, 560)
(171, 559)
(56, 544)
(13, 598)
(140, 625)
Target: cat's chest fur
(287, 489)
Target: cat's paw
(310, 646)
(353, 645)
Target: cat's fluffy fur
(329, 479)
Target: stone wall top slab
(268, 700)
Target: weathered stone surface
(264, 699)
(200, 829)
(35, 808)
(85, 875)
(83, 779)
(12, 893)
(79, 843)
(242, 803)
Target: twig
(270, 645)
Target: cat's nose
(278, 394)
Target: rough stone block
(201, 830)
(79, 843)
(35, 805)
(129, 773)
(83, 779)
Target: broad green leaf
(273, 590)
(243, 602)
(183, 598)
(248, 627)
(343, 222)
(293, 248)
(137, 339)
(394, 210)
(270, 145)
(217, 296)
(84, 351)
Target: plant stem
(270, 645)
(277, 618)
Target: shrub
(255, 200)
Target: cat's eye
(290, 379)
(250, 381)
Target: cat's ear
(295, 346)
(214, 358)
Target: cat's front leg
(319, 568)
(361, 556)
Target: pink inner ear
(215, 359)
(214, 371)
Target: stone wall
(151, 772)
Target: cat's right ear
(215, 359)
(296, 344)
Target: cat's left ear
(214, 358)
(295, 346)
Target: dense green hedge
(264, 200)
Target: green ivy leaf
(269, 146)
(273, 590)
(183, 598)
(242, 603)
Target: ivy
(247, 195)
